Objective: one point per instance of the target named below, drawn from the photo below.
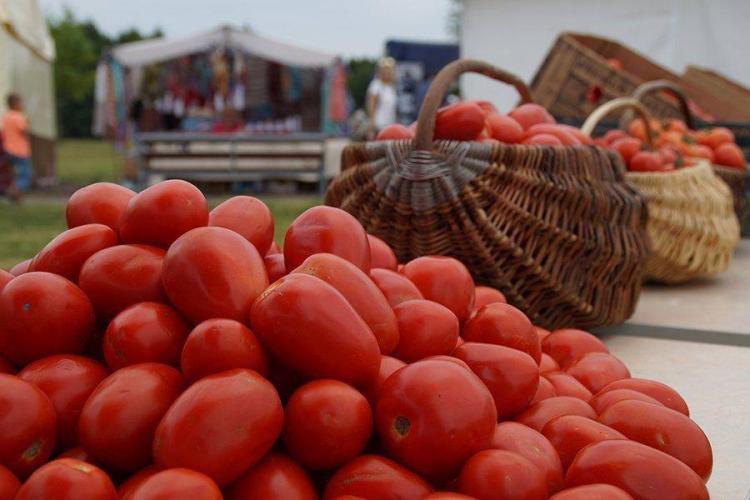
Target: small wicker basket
(556, 229)
(691, 224)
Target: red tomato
(212, 272)
(98, 203)
(567, 345)
(668, 154)
(627, 147)
(326, 230)
(359, 290)
(5, 366)
(68, 381)
(78, 453)
(395, 286)
(604, 400)
(310, 327)
(381, 254)
(532, 445)
(160, 214)
(5, 278)
(503, 324)
(511, 375)
(27, 425)
(426, 329)
(43, 314)
(275, 267)
(645, 161)
(597, 369)
(118, 277)
(565, 137)
(592, 492)
(217, 345)
(66, 254)
(484, 295)
(447, 495)
(9, 484)
(547, 364)
(699, 151)
(504, 128)
(147, 332)
(68, 479)
(571, 433)
(177, 483)
(542, 333)
(715, 137)
(327, 423)
(444, 280)
(662, 428)
(20, 268)
(276, 476)
(530, 114)
(612, 135)
(461, 121)
(545, 391)
(394, 132)
(388, 367)
(500, 475)
(660, 392)
(274, 249)
(118, 421)
(543, 140)
(730, 155)
(576, 132)
(486, 106)
(127, 487)
(221, 425)
(434, 414)
(376, 478)
(643, 472)
(566, 385)
(247, 216)
(543, 411)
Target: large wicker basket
(691, 222)
(556, 229)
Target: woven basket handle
(616, 104)
(440, 86)
(658, 86)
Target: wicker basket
(691, 224)
(556, 229)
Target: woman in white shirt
(381, 97)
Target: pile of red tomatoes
(158, 350)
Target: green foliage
(361, 71)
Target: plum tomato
(484, 295)
(501, 474)
(592, 492)
(504, 128)
(604, 400)
(530, 114)
(68, 479)
(176, 483)
(447, 495)
(444, 280)
(565, 385)
(597, 369)
(538, 414)
(388, 367)
(545, 391)
(98, 203)
(126, 488)
(20, 268)
(247, 216)
(568, 345)
(503, 324)
(396, 287)
(376, 478)
(571, 433)
(276, 476)
(79, 454)
(532, 445)
(66, 254)
(274, 266)
(5, 278)
(426, 329)
(547, 364)
(462, 121)
(381, 254)
(542, 333)
(394, 131)
(657, 390)
(9, 484)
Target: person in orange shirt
(16, 141)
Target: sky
(347, 27)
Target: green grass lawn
(83, 161)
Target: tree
(361, 71)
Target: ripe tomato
(566, 385)
(247, 216)
(503, 324)
(504, 128)
(394, 132)
(5, 278)
(501, 474)
(729, 155)
(627, 147)
(275, 267)
(67, 380)
(571, 433)
(645, 161)
(43, 314)
(592, 492)
(376, 478)
(484, 295)
(326, 230)
(221, 425)
(511, 375)
(5, 366)
(529, 114)
(274, 249)
(538, 414)
(604, 400)
(276, 476)
(547, 364)
(662, 428)
(543, 140)
(461, 121)
(98, 203)
(310, 327)
(66, 254)
(68, 479)
(567, 345)
(27, 425)
(644, 472)
(426, 329)
(160, 214)
(612, 135)
(212, 272)
(576, 132)
(381, 254)
(542, 333)
(176, 483)
(327, 423)
(9, 484)
(486, 106)
(395, 286)
(700, 151)
(447, 495)
(565, 136)
(444, 280)
(388, 367)
(20, 268)
(118, 421)
(217, 345)
(434, 414)
(545, 391)
(129, 485)
(597, 369)
(660, 392)
(359, 290)
(715, 137)
(147, 332)
(532, 445)
(78, 453)
(118, 277)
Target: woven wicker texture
(691, 222)
(556, 229)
